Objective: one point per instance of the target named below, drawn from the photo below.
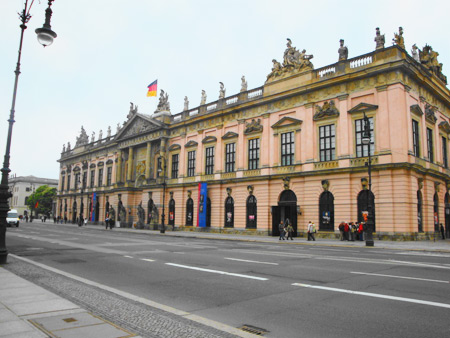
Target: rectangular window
(362, 150)
(29, 189)
(84, 179)
(175, 159)
(100, 177)
(92, 183)
(327, 139)
(158, 167)
(63, 180)
(77, 180)
(416, 143)
(253, 154)
(430, 145)
(68, 182)
(191, 163)
(209, 165)
(444, 152)
(230, 157)
(108, 176)
(287, 148)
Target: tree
(44, 196)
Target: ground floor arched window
(97, 210)
(229, 212)
(326, 211)
(251, 212)
(172, 212)
(366, 198)
(150, 206)
(436, 211)
(74, 212)
(190, 212)
(107, 209)
(208, 212)
(419, 211)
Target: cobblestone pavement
(133, 316)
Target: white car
(12, 218)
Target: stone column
(119, 168)
(147, 160)
(130, 164)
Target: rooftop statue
(379, 39)
(186, 103)
(68, 146)
(243, 84)
(203, 99)
(428, 57)
(64, 148)
(343, 51)
(415, 53)
(93, 137)
(82, 139)
(163, 104)
(108, 134)
(133, 111)
(276, 69)
(118, 128)
(222, 91)
(100, 134)
(398, 38)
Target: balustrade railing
(361, 62)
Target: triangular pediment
(174, 146)
(191, 144)
(287, 122)
(363, 108)
(445, 127)
(415, 108)
(229, 135)
(138, 124)
(209, 139)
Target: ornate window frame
(357, 113)
(285, 125)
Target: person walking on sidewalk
(281, 230)
(442, 231)
(289, 230)
(311, 231)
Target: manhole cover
(69, 320)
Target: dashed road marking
(249, 261)
(217, 271)
(403, 277)
(147, 259)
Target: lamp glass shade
(365, 140)
(45, 36)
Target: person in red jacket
(361, 231)
(346, 230)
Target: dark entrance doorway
(190, 212)
(172, 212)
(326, 211)
(208, 213)
(97, 210)
(286, 208)
(74, 212)
(419, 211)
(364, 198)
(447, 214)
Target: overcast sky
(108, 51)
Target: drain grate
(253, 329)
(70, 320)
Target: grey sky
(108, 51)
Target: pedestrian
(85, 221)
(289, 230)
(281, 230)
(346, 231)
(353, 231)
(26, 218)
(361, 231)
(107, 222)
(311, 229)
(442, 231)
(341, 230)
(65, 219)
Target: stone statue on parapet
(163, 104)
(379, 39)
(222, 91)
(343, 51)
(93, 137)
(243, 84)
(398, 38)
(428, 57)
(415, 53)
(108, 134)
(186, 103)
(118, 128)
(276, 70)
(203, 98)
(64, 148)
(133, 111)
(68, 146)
(82, 139)
(100, 134)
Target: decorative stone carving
(229, 190)
(253, 127)
(189, 193)
(379, 39)
(398, 38)
(118, 128)
(327, 110)
(68, 146)
(420, 183)
(325, 185)
(250, 189)
(138, 126)
(286, 181)
(437, 186)
(186, 103)
(445, 127)
(229, 135)
(430, 116)
(93, 137)
(294, 62)
(140, 168)
(108, 135)
(203, 98)
(415, 53)
(100, 134)
(364, 183)
(428, 57)
(133, 111)
(243, 84)
(82, 139)
(343, 51)
(64, 148)
(163, 104)
(222, 91)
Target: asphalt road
(287, 290)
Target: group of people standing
(286, 229)
(351, 231)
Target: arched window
(229, 212)
(419, 211)
(251, 212)
(208, 212)
(97, 210)
(436, 211)
(326, 211)
(172, 212)
(150, 206)
(190, 212)
(366, 197)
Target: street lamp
(4, 193)
(163, 171)
(366, 138)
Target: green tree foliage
(44, 195)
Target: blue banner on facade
(94, 202)
(202, 197)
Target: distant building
(291, 148)
(22, 187)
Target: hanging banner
(202, 196)
(94, 201)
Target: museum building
(292, 148)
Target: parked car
(12, 218)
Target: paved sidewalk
(29, 311)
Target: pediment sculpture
(429, 113)
(82, 139)
(294, 62)
(253, 127)
(163, 104)
(133, 111)
(138, 126)
(428, 57)
(327, 110)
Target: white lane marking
(350, 251)
(147, 259)
(216, 271)
(422, 254)
(375, 295)
(128, 256)
(178, 252)
(249, 261)
(432, 265)
(413, 278)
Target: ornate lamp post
(163, 171)
(369, 225)
(4, 193)
(81, 182)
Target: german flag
(152, 88)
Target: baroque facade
(291, 148)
